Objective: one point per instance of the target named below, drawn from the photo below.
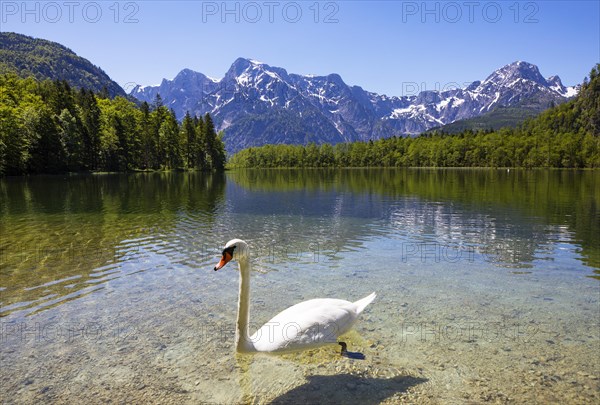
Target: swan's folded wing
(308, 324)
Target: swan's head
(235, 249)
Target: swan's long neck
(242, 340)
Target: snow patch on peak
(571, 91)
(140, 87)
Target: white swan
(306, 325)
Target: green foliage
(41, 59)
(48, 127)
(213, 144)
(566, 136)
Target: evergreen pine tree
(199, 149)
(189, 140)
(90, 121)
(215, 149)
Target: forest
(49, 127)
(565, 136)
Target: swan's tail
(362, 303)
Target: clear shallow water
(487, 285)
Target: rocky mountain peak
(555, 83)
(239, 66)
(509, 74)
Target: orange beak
(224, 260)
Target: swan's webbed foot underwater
(350, 355)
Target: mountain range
(255, 103)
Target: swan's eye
(226, 257)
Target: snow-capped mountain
(257, 104)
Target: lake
(487, 281)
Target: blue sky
(390, 47)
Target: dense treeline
(504, 148)
(564, 136)
(48, 127)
